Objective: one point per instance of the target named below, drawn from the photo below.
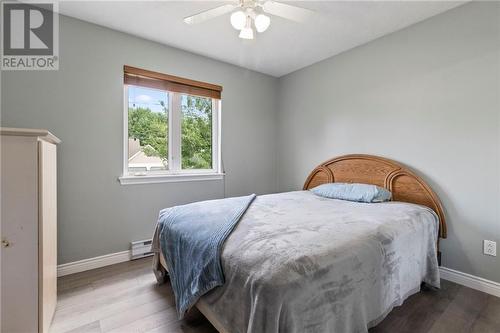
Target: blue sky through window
(139, 97)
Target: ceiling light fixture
(251, 15)
(238, 20)
(262, 22)
(247, 31)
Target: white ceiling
(285, 47)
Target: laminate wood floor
(125, 298)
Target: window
(172, 130)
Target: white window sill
(172, 178)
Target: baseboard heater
(141, 249)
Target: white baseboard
(91, 263)
(464, 279)
(471, 281)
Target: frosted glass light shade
(246, 33)
(262, 22)
(238, 20)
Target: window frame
(175, 173)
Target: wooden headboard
(404, 184)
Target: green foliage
(196, 133)
(151, 129)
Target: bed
(297, 262)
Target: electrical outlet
(490, 248)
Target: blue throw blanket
(191, 240)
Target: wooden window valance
(144, 78)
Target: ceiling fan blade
(209, 14)
(289, 12)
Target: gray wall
(427, 96)
(82, 104)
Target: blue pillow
(353, 192)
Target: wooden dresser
(28, 231)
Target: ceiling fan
(252, 13)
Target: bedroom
(416, 85)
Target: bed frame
(404, 185)
(368, 169)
